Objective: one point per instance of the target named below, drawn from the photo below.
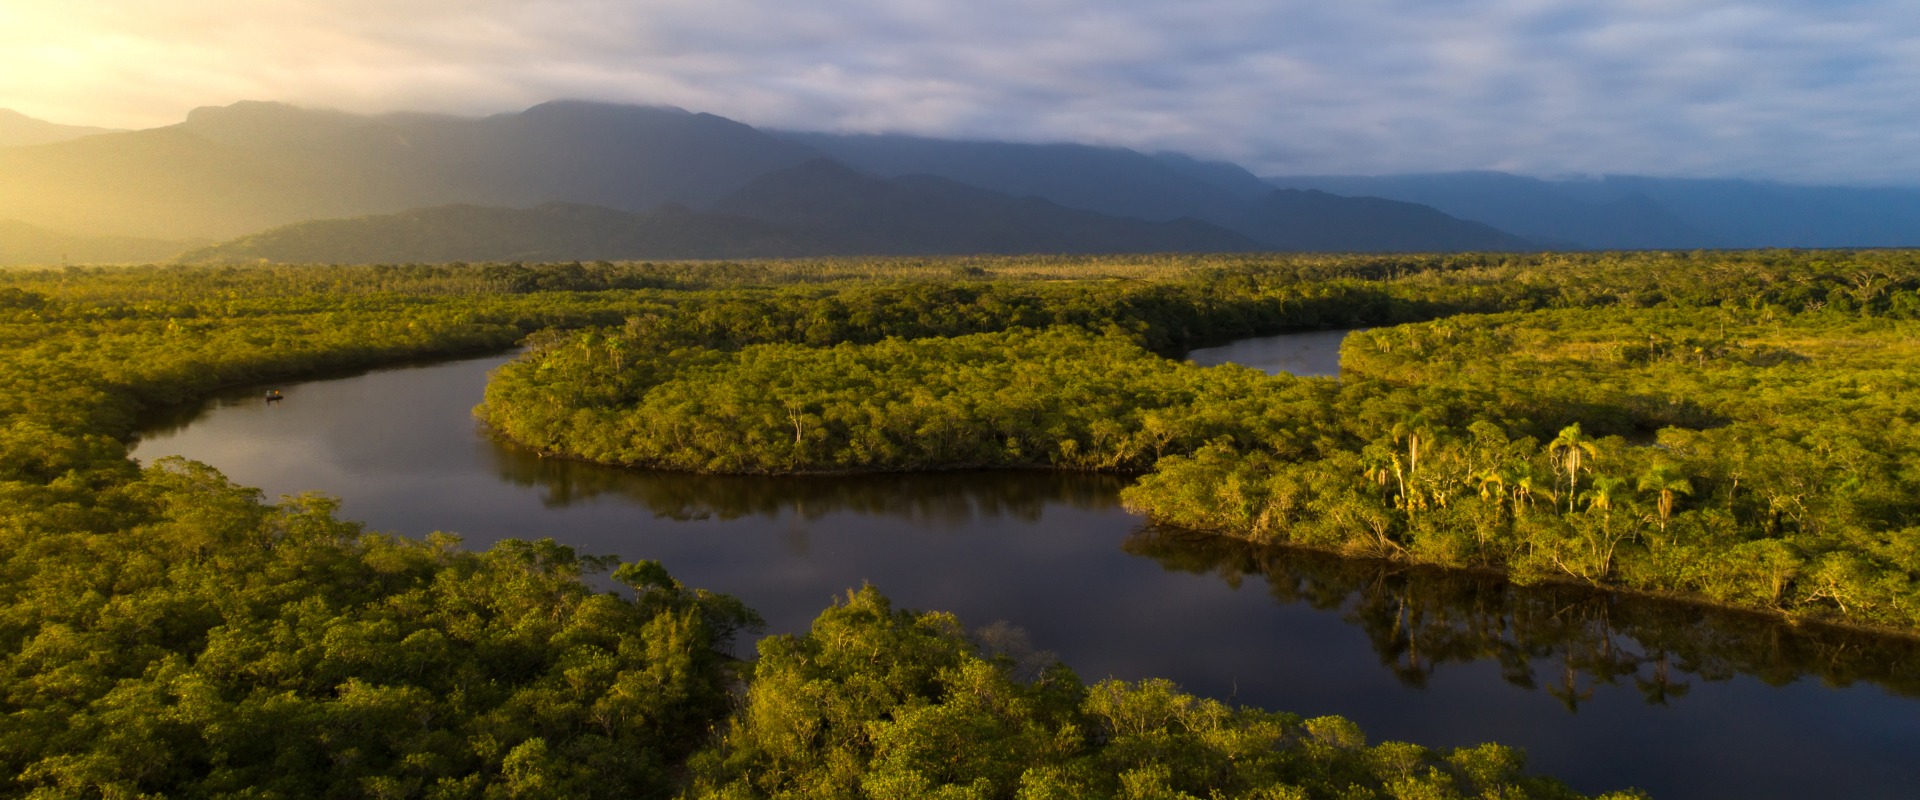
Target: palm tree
(1493, 484)
(1418, 433)
(1605, 490)
(1667, 480)
(1521, 477)
(1569, 451)
(1415, 429)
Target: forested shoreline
(170, 633)
(1726, 455)
(1724, 427)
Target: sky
(1810, 92)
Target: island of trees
(1733, 427)
(1727, 426)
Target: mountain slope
(918, 215)
(1292, 219)
(1225, 175)
(1529, 207)
(550, 232)
(1105, 179)
(241, 168)
(1166, 186)
(1761, 214)
(26, 245)
(824, 208)
(18, 130)
(1656, 213)
(818, 208)
(1632, 212)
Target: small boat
(274, 396)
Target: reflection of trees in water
(940, 497)
(168, 420)
(1564, 639)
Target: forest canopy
(1727, 427)
(165, 632)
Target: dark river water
(1603, 692)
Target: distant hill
(1165, 187)
(252, 168)
(17, 129)
(824, 208)
(817, 208)
(1225, 175)
(1763, 214)
(1525, 206)
(27, 245)
(923, 214)
(30, 245)
(1105, 179)
(246, 167)
(550, 232)
(1627, 212)
(1314, 221)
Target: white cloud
(1814, 91)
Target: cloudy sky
(1817, 91)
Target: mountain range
(17, 129)
(824, 208)
(1632, 212)
(21, 243)
(548, 232)
(578, 180)
(818, 208)
(242, 168)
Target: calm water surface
(1315, 353)
(1603, 692)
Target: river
(1604, 692)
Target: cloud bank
(1799, 91)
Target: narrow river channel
(1603, 692)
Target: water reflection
(1466, 660)
(1307, 354)
(951, 498)
(1561, 639)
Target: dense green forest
(1750, 457)
(1055, 397)
(167, 633)
(1732, 427)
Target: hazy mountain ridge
(1315, 221)
(815, 209)
(823, 208)
(246, 168)
(20, 130)
(28, 245)
(1630, 212)
(1764, 214)
(1168, 187)
(1525, 206)
(1109, 180)
(253, 166)
(924, 214)
(549, 232)
(243, 168)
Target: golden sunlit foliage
(1731, 427)
(166, 632)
